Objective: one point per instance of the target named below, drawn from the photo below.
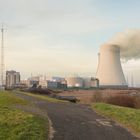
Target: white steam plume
(129, 42)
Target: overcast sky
(62, 37)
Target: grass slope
(19, 125)
(45, 97)
(129, 117)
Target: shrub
(137, 102)
(122, 100)
(97, 97)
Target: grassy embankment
(19, 125)
(44, 97)
(128, 117)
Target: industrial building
(62, 83)
(74, 82)
(90, 82)
(109, 71)
(55, 84)
(42, 81)
(34, 80)
(12, 79)
(79, 82)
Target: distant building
(94, 82)
(55, 84)
(34, 80)
(58, 79)
(12, 79)
(43, 82)
(91, 82)
(80, 82)
(24, 82)
(73, 82)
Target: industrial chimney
(109, 72)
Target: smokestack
(110, 71)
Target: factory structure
(80, 82)
(61, 83)
(109, 71)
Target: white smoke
(129, 42)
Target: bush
(122, 100)
(97, 97)
(137, 102)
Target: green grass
(47, 98)
(19, 125)
(128, 117)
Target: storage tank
(109, 71)
(74, 82)
(91, 82)
(87, 82)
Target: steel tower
(2, 58)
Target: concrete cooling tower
(109, 72)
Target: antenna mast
(2, 56)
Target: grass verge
(19, 125)
(47, 98)
(128, 117)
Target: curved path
(79, 122)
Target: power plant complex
(109, 74)
(109, 71)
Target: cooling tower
(109, 70)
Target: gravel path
(78, 122)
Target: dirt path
(79, 122)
